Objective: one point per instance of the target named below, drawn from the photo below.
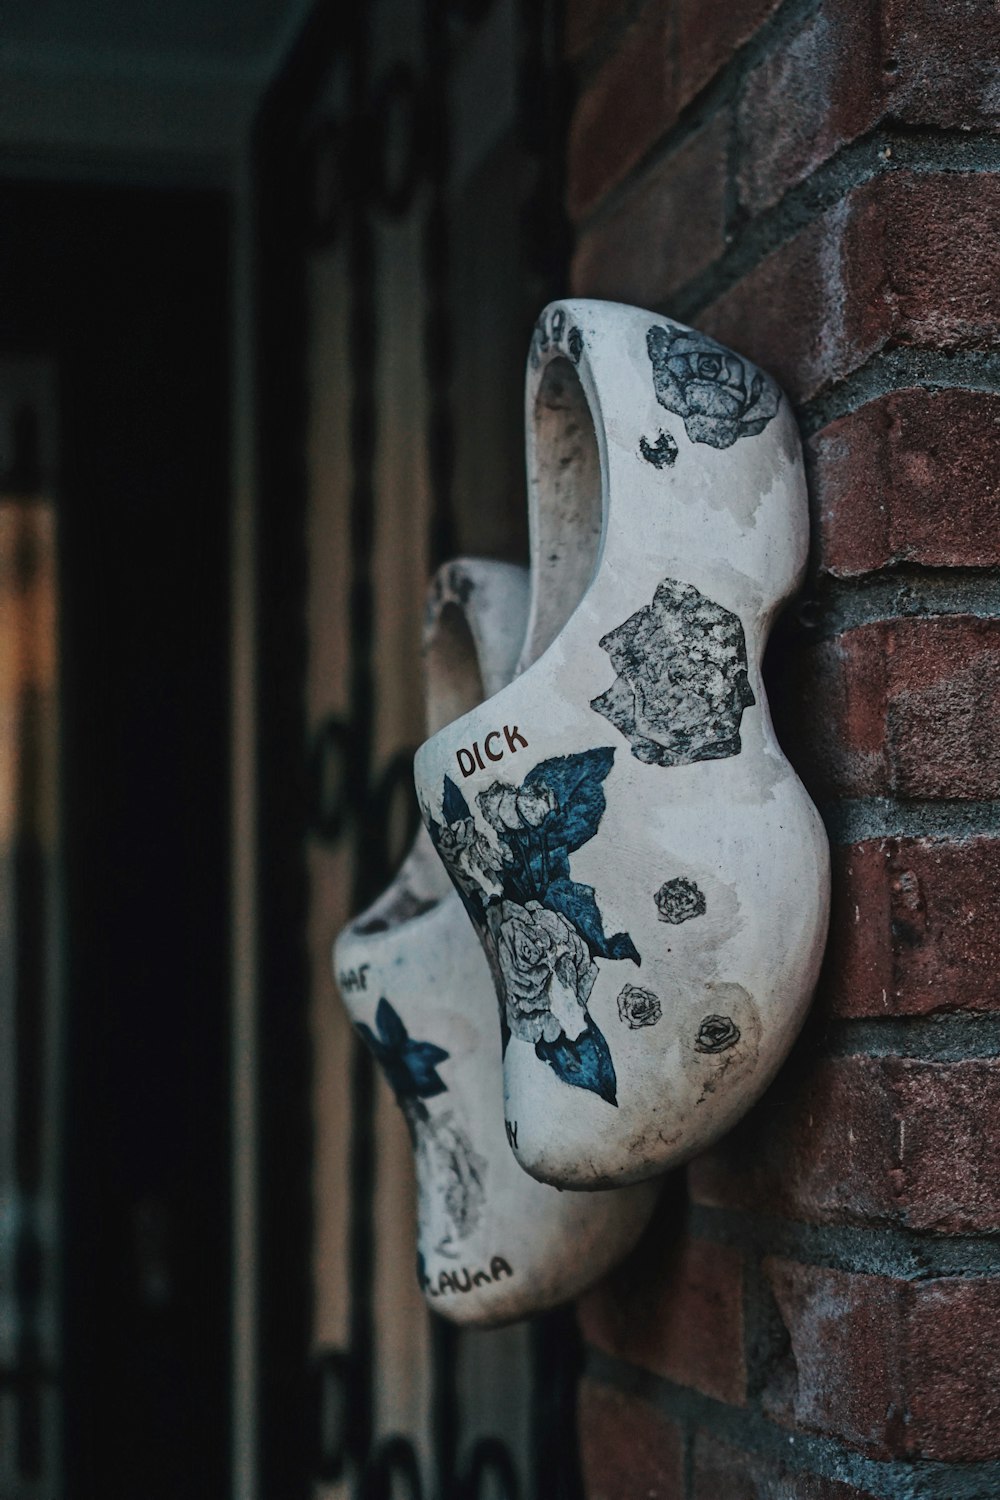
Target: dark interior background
(180, 190)
(126, 292)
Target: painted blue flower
(542, 930)
(410, 1067)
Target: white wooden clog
(494, 1245)
(647, 874)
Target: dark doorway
(126, 294)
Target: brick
(708, 33)
(907, 258)
(623, 111)
(948, 1179)
(677, 1311)
(842, 1373)
(723, 1471)
(666, 56)
(878, 476)
(867, 1140)
(953, 1369)
(913, 930)
(859, 971)
(628, 1450)
(819, 1148)
(850, 67)
(814, 91)
(664, 230)
(907, 707)
(941, 57)
(894, 1368)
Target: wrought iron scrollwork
(331, 1383)
(490, 1472)
(330, 777)
(338, 794)
(397, 140)
(392, 1472)
(396, 815)
(388, 152)
(326, 185)
(470, 11)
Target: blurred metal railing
(329, 175)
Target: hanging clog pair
(646, 875)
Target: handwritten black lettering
(470, 759)
(353, 979)
(464, 1279)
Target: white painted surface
(496, 1245)
(723, 823)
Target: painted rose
(545, 969)
(678, 901)
(717, 1034)
(682, 680)
(508, 808)
(469, 858)
(638, 1007)
(459, 1173)
(451, 1181)
(719, 396)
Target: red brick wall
(816, 1313)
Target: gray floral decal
(458, 1174)
(717, 1034)
(678, 901)
(719, 396)
(458, 1171)
(542, 930)
(468, 855)
(682, 680)
(546, 969)
(638, 1007)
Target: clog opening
(454, 686)
(419, 887)
(451, 662)
(568, 511)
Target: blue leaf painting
(516, 879)
(536, 865)
(578, 903)
(584, 1062)
(453, 804)
(410, 1067)
(540, 856)
(577, 782)
(390, 1026)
